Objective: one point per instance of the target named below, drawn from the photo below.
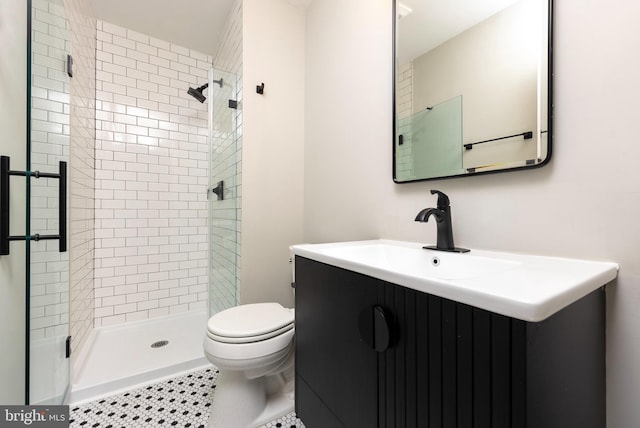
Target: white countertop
(525, 287)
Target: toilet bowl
(252, 346)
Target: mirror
(472, 87)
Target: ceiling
(432, 22)
(198, 24)
(195, 24)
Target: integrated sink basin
(425, 263)
(525, 287)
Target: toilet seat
(249, 339)
(250, 323)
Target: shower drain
(159, 343)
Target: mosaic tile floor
(182, 401)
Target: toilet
(252, 346)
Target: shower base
(121, 357)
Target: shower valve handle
(219, 190)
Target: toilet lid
(250, 321)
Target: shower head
(197, 93)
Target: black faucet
(443, 221)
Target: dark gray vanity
(370, 353)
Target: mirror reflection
(471, 87)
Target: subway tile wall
(151, 253)
(226, 165)
(49, 290)
(404, 110)
(81, 170)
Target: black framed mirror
(472, 87)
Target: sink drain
(159, 343)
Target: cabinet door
(336, 372)
(469, 366)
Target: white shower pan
(121, 357)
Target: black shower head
(197, 93)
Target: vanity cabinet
(374, 354)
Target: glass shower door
(48, 260)
(224, 186)
(13, 81)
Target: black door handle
(5, 175)
(375, 328)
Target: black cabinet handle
(375, 328)
(382, 333)
(5, 175)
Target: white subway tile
(138, 93)
(180, 50)
(114, 68)
(101, 312)
(124, 157)
(148, 123)
(113, 107)
(124, 42)
(151, 208)
(138, 37)
(124, 138)
(107, 321)
(137, 56)
(161, 80)
(114, 49)
(148, 104)
(147, 68)
(147, 86)
(148, 141)
(168, 72)
(103, 57)
(169, 302)
(124, 61)
(200, 56)
(138, 315)
(178, 308)
(137, 130)
(125, 308)
(159, 43)
(187, 60)
(137, 74)
(168, 55)
(147, 49)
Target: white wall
(273, 148)
(13, 87)
(585, 204)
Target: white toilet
(252, 346)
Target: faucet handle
(443, 200)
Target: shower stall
(56, 250)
